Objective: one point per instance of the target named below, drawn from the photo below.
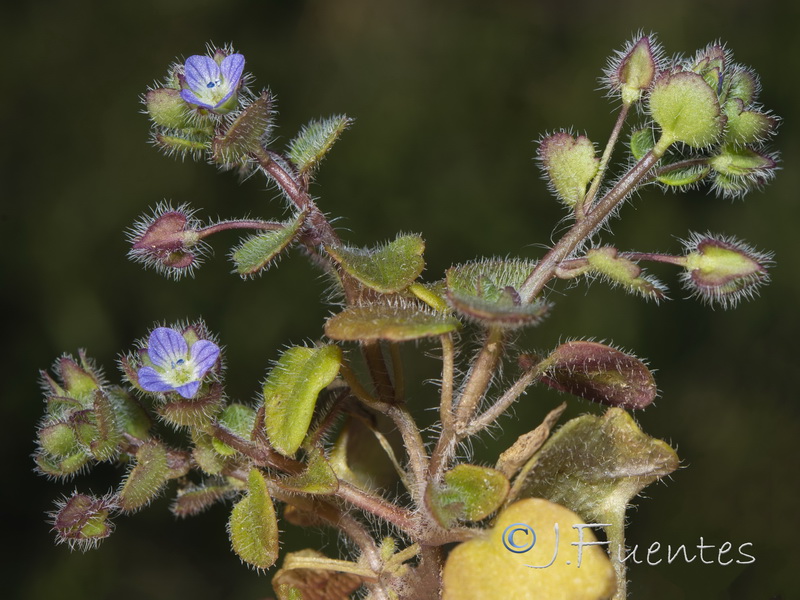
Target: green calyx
(687, 109)
(570, 164)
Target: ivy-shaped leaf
(397, 322)
(467, 492)
(487, 291)
(595, 465)
(388, 268)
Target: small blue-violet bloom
(209, 84)
(176, 367)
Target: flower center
(181, 372)
(212, 84)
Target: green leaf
(291, 390)
(388, 268)
(686, 109)
(314, 141)
(397, 322)
(595, 465)
(485, 569)
(600, 373)
(467, 492)
(570, 164)
(318, 478)
(642, 141)
(239, 420)
(147, 477)
(257, 253)
(246, 134)
(252, 527)
(486, 291)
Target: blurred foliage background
(449, 97)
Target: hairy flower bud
(168, 240)
(722, 270)
(633, 70)
(82, 521)
(167, 109)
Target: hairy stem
(491, 415)
(243, 224)
(448, 373)
(583, 229)
(478, 380)
(586, 204)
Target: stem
(397, 371)
(586, 203)
(615, 532)
(594, 218)
(391, 513)
(402, 419)
(683, 164)
(245, 224)
(376, 363)
(448, 370)
(480, 376)
(297, 193)
(506, 400)
(662, 258)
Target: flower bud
(167, 109)
(167, 240)
(723, 270)
(569, 164)
(635, 70)
(82, 521)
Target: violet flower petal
(188, 390)
(166, 347)
(152, 381)
(204, 355)
(232, 68)
(190, 97)
(200, 71)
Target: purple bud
(82, 521)
(167, 240)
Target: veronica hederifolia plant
(314, 442)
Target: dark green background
(448, 97)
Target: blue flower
(176, 367)
(210, 84)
